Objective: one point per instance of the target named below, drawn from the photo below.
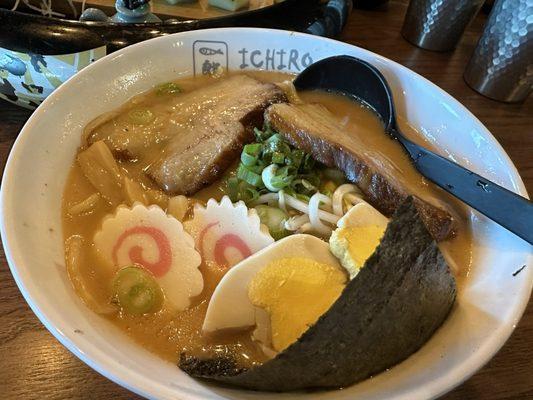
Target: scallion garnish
(250, 154)
(249, 176)
(241, 190)
(308, 163)
(272, 164)
(276, 178)
(141, 116)
(136, 291)
(296, 157)
(168, 88)
(248, 194)
(274, 219)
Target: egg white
(362, 214)
(230, 306)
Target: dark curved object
(388, 311)
(133, 4)
(357, 78)
(53, 36)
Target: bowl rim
(112, 369)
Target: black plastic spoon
(357, 78)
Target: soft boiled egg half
(280, 290)
(357, 236)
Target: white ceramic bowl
(488, 307)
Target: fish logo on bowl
(210, 57)
(206, 51)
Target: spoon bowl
(365, 83)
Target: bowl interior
(489, 304)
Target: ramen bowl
(491, 298)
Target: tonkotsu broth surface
(169, 333)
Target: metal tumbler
(502, 64)
(438, 24)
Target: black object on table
(53, 36)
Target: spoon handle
(508, 209)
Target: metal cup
(438, 24)
(502, 64)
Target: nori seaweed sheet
(386, 313)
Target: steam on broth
(292, 193)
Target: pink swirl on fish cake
(226, 241)
(135, 253)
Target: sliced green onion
(275, 138)
(251, 177)
(267, 131)
(267, 175)
(281, 182)
(258, 168)
(296, 157)
(308, 163)
(248, 194)
(284, 148)
(276, 178)
(141, 116)
(276, 143)
(271, 165)
(261, 136)
(168, 88)
(278, 158)
(136, 291)
(274, 219)
(258, 133)
(232, 186)
(240, 190)
(250, 154)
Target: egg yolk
(361, 241)
(295, 292)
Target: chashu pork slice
(171, 115)
(210, 142)
(312, 128)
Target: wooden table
(33, 365)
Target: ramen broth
(169, 333)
